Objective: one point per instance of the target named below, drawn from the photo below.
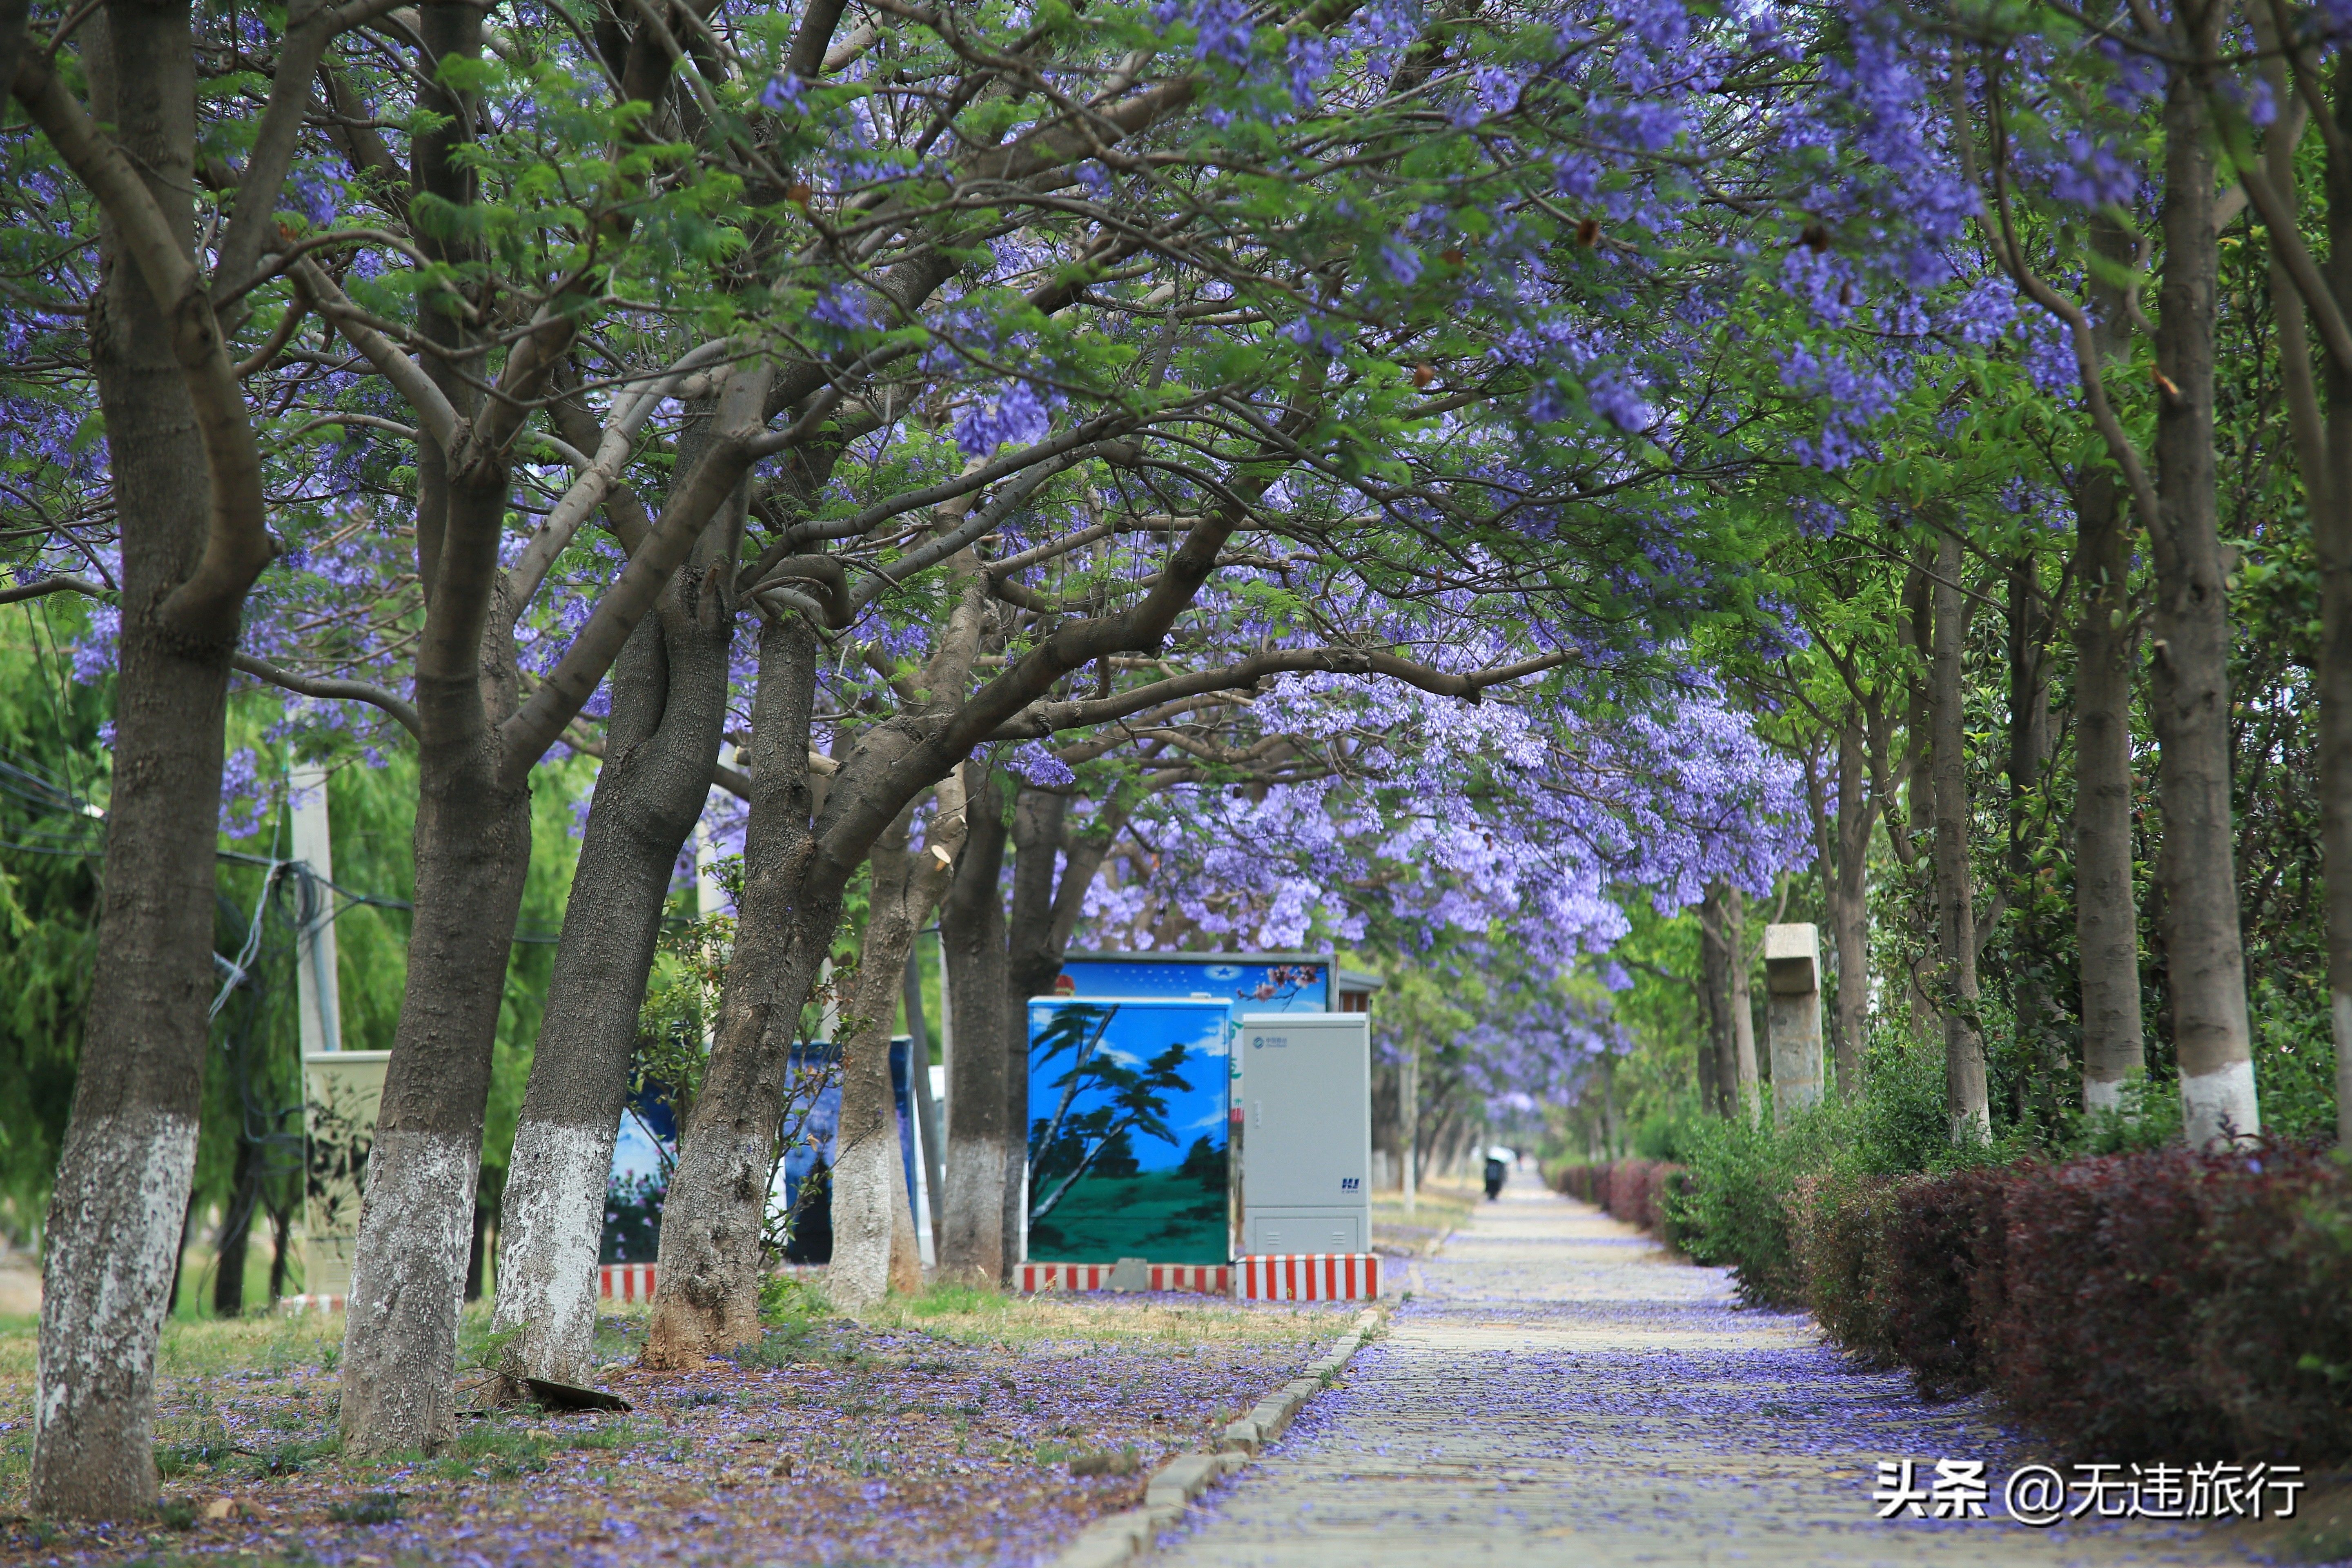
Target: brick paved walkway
(1561, 1390)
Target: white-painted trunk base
(550, 1224)
(2104, 1094)
(862, 1180)
(2221, 1104)
(408, 1284)
(112, 1245)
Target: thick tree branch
(273, 140)
(600, 473)
(539, 722)
(209, 604)
(331, 691)
(1044, 718)
(61, 583)
(433, 411)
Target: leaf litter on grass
(955, 1426)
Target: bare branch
(1044, 718)
(61, 584)
(331, 691)
(433, 411)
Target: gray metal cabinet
(1305, 1096)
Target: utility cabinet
(1128, 1130)
(1305, 1098)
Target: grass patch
(962, 1315)
(268, 1346)
(1438, 1207)
(608, 1435)
(488, 1452)
(290, 1459)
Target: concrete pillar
(1792, 1024)
(317, 996)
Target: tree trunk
(926, 1109)
(668, 708)
(2029, 756)
(1409, 1117)
(982, 1148)
(408, 1266)
(872, 1221)
(473, 851)
(707, 1295)
(2189, 688)
(477, 1249)
(1748, 1082)
(1033, 959)
(281, 1250)
(1965, 1099)
(707, 1292)
(1715, 985)
(1710, 1092)
(2106, 909)
(2106, 906)
(235, 1232)
(1850, 908)
(2332, 513)
(129, 1146)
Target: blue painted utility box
(1129, 1130)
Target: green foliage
(49, 893)
(785, 1302)
(2294, 1058)
(1738, 1203)
(367, 1507)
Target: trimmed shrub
(2163, 1304)
(1580, 1182)
(1635, 1191)
(1838, 1229)
(1943, 1267)
(2102, 1268)
(2274, 1349)
(1734, 1207)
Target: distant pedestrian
(1499, 1162)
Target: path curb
(1121, 1538)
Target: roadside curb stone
(1121, 1538)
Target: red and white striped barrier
(1307, 1277)
(624, 1281)
(295, 1306)
(1206, 1279)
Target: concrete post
(1792, 1024)
(317, 996)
